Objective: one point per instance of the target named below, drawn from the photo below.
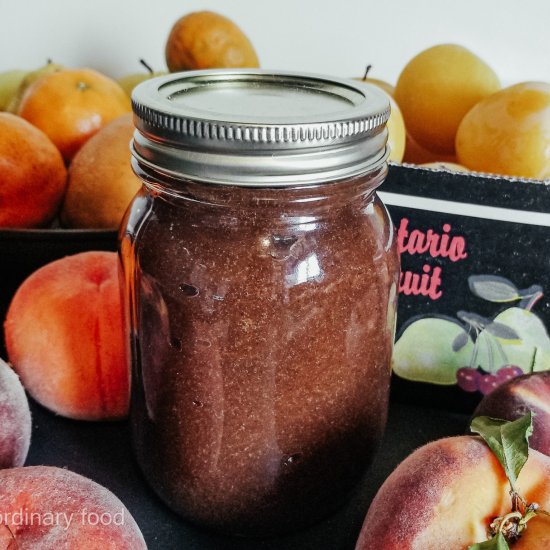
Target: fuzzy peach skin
(49, 508)
(518, 396)
(445, 495)
(64, 337)
(15, 420)
(6, 538)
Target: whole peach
(445, 495)
(51, 508)
(71, 105)
(64, 337)
(15, 419)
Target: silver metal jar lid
(259, 128)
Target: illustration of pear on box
(473, 351)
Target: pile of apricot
(456, 112)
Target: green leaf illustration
(493, 288)
(502, 331)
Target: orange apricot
(33, 177)
(71, 105)
(437, 88)
(508, 132)
(207, 40)
(101, 182)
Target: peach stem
(508, 518)
(515, 522)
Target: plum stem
(147, 66)
(367, 70)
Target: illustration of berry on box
(476, 352)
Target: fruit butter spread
(260, 273)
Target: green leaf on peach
(509, 441)
(496, 543)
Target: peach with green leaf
(465, 493)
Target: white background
(337, 37)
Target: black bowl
(23, 251)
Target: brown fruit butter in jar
(260, 272)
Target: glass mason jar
(260, 274)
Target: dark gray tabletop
(102, 452)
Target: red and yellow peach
(64, 337)
(445, 495)
(51, 508)
(15, 420)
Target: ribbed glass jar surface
(261, 321)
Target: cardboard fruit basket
(474, 298)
